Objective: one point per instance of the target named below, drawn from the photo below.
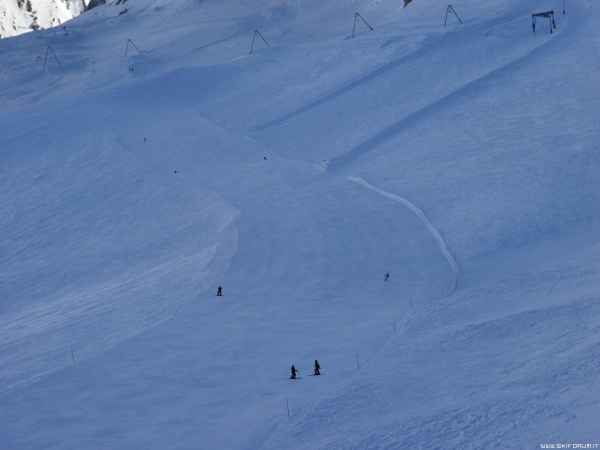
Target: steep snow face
(20, 16)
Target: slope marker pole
(73, 355)
(287, 403)
(357, 361)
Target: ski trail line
(436, 235)
(445, 102)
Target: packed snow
(147, 158)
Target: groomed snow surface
(146, 158)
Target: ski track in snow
(348, 88)
(480, 28)
(436, 235)
(379, 138)
(413, 56)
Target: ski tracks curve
(436, 235)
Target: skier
(386, 276)
(317, 368)
(219, 293)
(293, 372)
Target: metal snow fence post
(47, 51)
(254, 37)
(356, 16)
(450, 8)
(129, 41)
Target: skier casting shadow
(317, 368)
(219, 293)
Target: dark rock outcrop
(94, 3)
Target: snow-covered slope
(20, 16)
(149, 158)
